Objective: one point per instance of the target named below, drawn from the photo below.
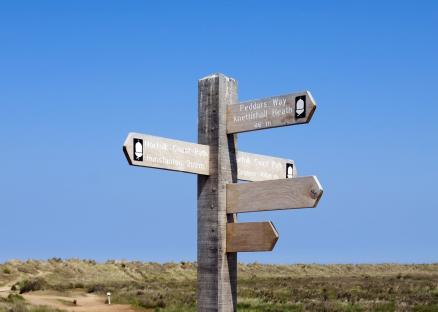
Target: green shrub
(55, 260)
(78, 285)
(15, 298)
(32, 285)
(7, 271)
(97, 288)
(19, 307)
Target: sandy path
(6, 290)
(85, 302)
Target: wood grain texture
(251, 236)
(217, 269)
(276, 111)
(300, 192)
(168, 154)
(254, 167)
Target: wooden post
(217, 269)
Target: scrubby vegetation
(172, 286)
(16, 303)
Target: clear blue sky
(77, 76)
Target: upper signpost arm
(276, 111)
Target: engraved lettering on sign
(254, 167)
(277, 111)
(157, 152)
(168, 154)
(174, 150)
(261, 110)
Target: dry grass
(301, 287)
(16, 303)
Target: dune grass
(172, 286)
(16, 303)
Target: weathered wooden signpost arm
(251, 236)
(272, 112)
(300, 192)
(217, 269)
(168, 154)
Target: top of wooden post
(216, 75)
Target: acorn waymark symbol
(289, 171)
(138, 149)
(300, 106)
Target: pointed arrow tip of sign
(275, 233)
(316, 191)
(274, 230)
(126, 146)
(312, 106)
(312, 100)
(127, 155)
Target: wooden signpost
(273, 182)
